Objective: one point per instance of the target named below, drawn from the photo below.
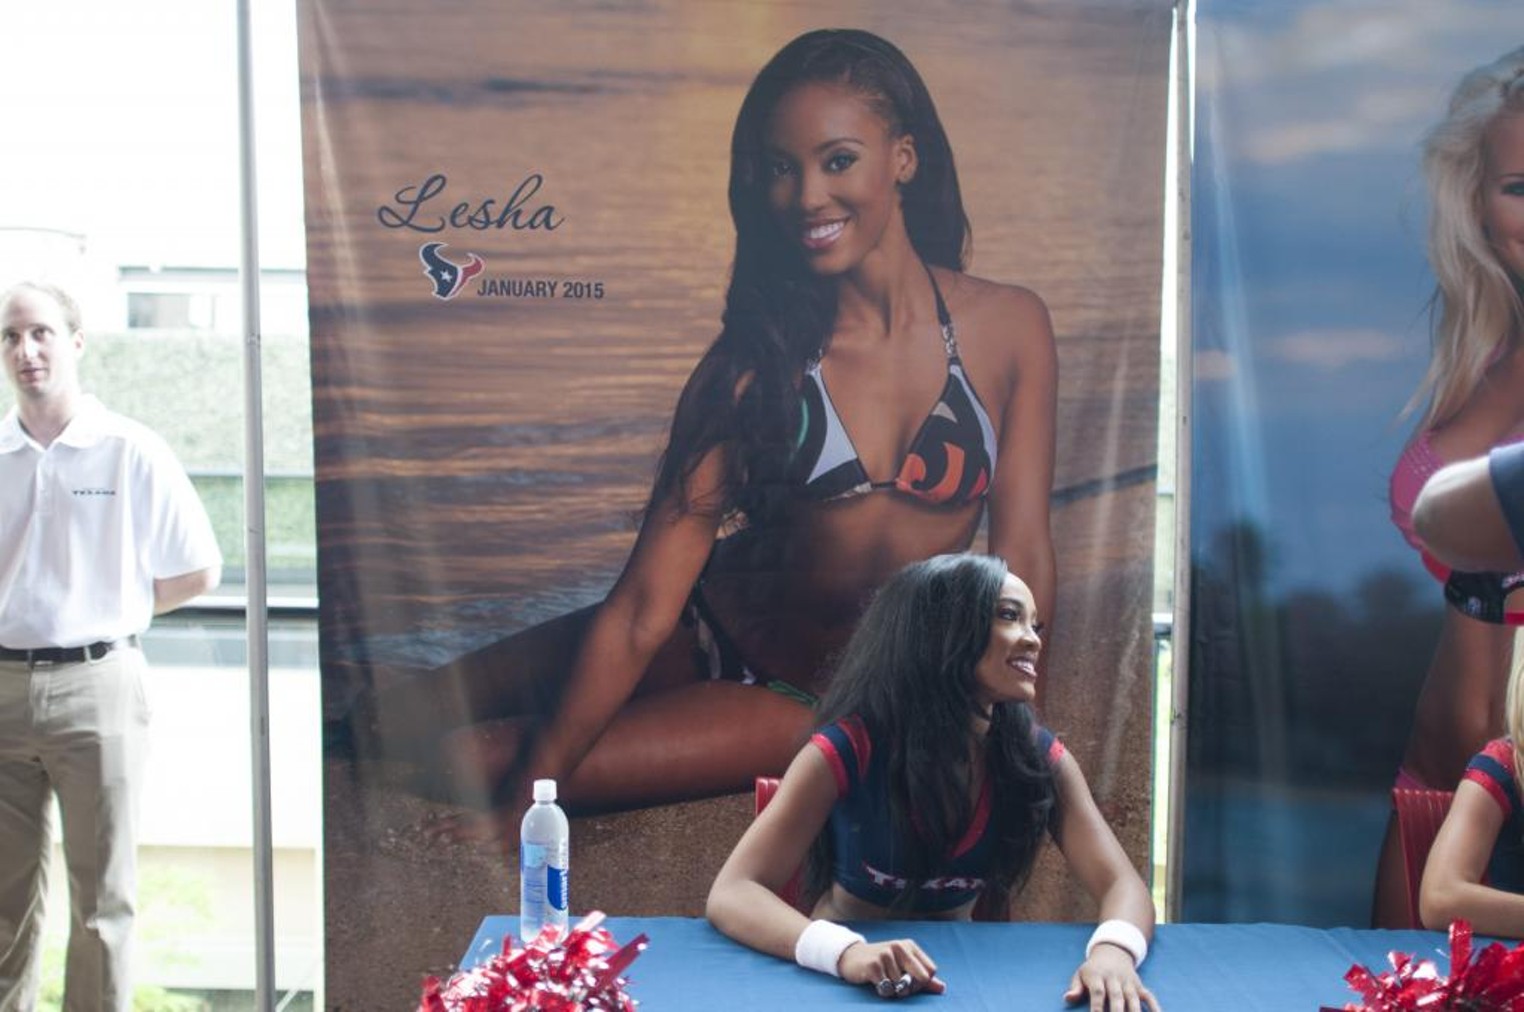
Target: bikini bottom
(719, 656)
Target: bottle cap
(545, 790)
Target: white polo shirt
(87, 524)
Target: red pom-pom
(579, 973)
(1492, 982)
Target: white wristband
(1123, 934)
(821, 944)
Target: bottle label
(556, 887)
(532, 881)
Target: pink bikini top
(1482, 596)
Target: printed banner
(520, 247)
(1315, 626)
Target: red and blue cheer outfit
(864, 844)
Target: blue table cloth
(1015, 966)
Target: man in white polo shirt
(100, 530)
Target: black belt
(67, 655)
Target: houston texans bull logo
(448, 278)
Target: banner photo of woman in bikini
(647, 343)
(1339, 361)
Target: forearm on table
(1490, 911)
(754, 915)
(744, 901)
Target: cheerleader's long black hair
(778, 315)
(908, 673)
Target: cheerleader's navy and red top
(1492, 770)
(862, 828)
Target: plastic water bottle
(543, 863)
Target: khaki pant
(79, 731)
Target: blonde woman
(1474, 390)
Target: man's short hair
(64, 299)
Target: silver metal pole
(1180, 637)
(254, 530)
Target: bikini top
(950, 461)
(1482, 596)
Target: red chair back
(1419, 814)
(766, 787)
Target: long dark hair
(908, 673)
(778, 315)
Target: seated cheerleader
(927, 785)
(1475, 869)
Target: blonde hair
(1513, 708)
(1479, 313)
